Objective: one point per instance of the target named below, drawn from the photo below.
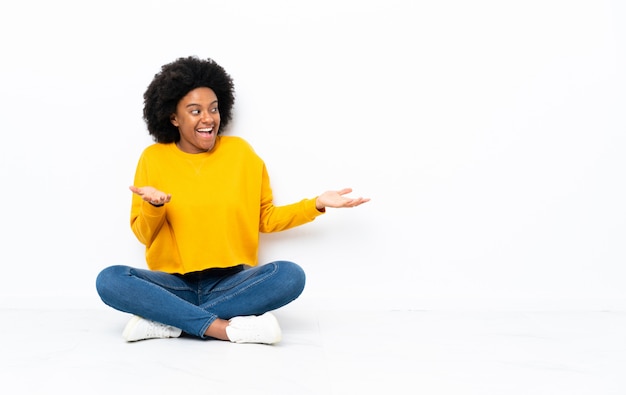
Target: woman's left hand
(337, 199)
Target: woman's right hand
(152, 195)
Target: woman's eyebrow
(196, 104)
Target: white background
(490, 136)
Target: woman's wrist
(321, 208)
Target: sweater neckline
(198, 156)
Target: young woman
(199, 201)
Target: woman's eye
(195, 112)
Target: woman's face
(198, 119)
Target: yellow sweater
(220, 202)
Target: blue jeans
(192, 301)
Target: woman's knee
(292, 275)
(107, 281)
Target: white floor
(323, 352)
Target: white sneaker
(140, 328)
(262, 329)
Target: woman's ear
(173, 120)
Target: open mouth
(205, 130)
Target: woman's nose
(206, 116)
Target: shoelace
(156, 329)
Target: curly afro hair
(173, 82)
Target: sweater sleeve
(145, 219)
(278, 218)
